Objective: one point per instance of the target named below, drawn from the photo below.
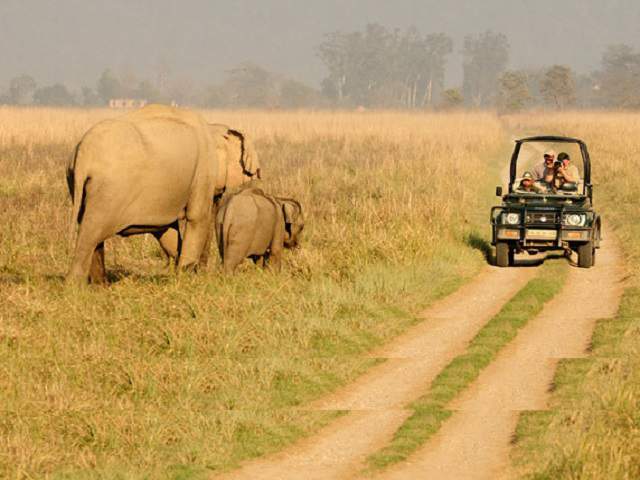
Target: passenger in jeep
(528, 185)
(566, 172)
(542, 170)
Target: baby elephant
(252, 224)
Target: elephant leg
(195, 238)
(235, 252)
(169, 241)
(90, 236)
(276, 248)
(274, 260)
(97, 271)
(204, 258)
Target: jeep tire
(586, 255)
(504, 254)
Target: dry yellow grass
(165, 377)
(593, 430)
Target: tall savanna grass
(593, 430)
(158, 375)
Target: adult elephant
(143, 173)
(239, 165)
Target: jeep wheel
(586, 255)
(504, 254)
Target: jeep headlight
(511, 218)
(575, 219)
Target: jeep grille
(547, 218)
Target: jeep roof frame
(586, 161)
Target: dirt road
(474, 442)
(376, 400)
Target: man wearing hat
(545, 169)
(528, 185)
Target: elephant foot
(97, 272)
(190, 268)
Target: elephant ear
(251, 162)
(248, 157)
(290, 210)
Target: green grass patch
(430, 411)
(163, 376)
(592, 430)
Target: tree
(377, 67)
(146, 91)
(558, 87)
(21, 90)
(294, 94)
(485, 57)
(109, 87)
(452, 98)
(54, 95)
(90, 98)
(618, 82)
(249, 85)
(514, 92)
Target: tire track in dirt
(376, 401)
(475, 442)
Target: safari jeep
(559, 218)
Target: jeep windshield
(555, 167)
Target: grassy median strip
(592, 429)
(430, 410)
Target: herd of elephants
(166, 171)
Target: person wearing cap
(567, 172)
(528, 185)
(544, 170)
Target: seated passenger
(528, 185)
(545, 168)
(565, 171)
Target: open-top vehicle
(560, 218)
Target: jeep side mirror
(498, 191)
(589, 190)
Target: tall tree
(619, 78)
(558, 87)
(514, 92)
(377, 67)
(452, 98)
(485, 57)
(249, 85)
(21, 90)
(294, 94)
(54, 95)
(109, 86)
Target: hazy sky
(72, 41)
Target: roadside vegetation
(430, 411)
(592, 430)
(159, 376)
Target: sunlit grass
(159, 374)
(593, 428)
(430, 411)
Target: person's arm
(568, 174)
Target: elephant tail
(76, 181)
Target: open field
(170, 377)
(593, 429)
(159, 376)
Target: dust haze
(73, 41)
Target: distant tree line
(375, 68)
